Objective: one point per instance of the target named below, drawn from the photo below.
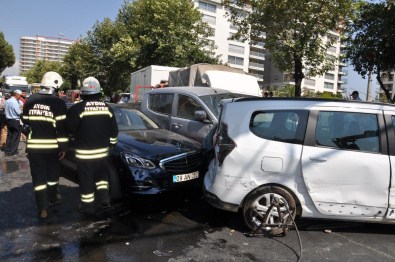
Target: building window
(237, 40)
(329, 76)
(207, 7)
(211, 20)
(328, 85)
(236, 49)
(332, 49)
(235, 60)
(309, 82)
(233, 26)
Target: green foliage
(326, 94)
(145, 32)
(167, 32)
(7, 56)
(35, 74)
(371, 44)
(294, 31)
(286, 91)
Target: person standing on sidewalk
(3, 122)
(13, 114)
(93, 125)
(47, 140)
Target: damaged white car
(326, 159)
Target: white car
(328, 159)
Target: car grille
(182, 163)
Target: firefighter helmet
(90, 86)
(50, 83)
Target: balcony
(259, 55)
(256, 65)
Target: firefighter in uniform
(93, 125)
(47, 140)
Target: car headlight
(136, 161)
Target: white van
(327, 159)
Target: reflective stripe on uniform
(52, 183)
(40, 118)
(113, 140)
(91, 154)
(88, 198)
(40, 187)
(42, 146)
(95, 113)
(62, 139)
(42, 143)
(60, 117)
(102, 185)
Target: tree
(7, 56)
(371, 44)
(167, 32)
(145, 32)
(78, 63)
(296, 31)
(35, 74)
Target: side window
(161, 103)
(347, 130)
(284, 126)
(187, 107)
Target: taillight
(223, 143)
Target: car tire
(115, 185)
(258, 202)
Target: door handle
(318, 159)
(176, 126)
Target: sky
(72, 19)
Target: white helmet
(90, 86)
(50, 83)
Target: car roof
(197, 90)
(311, 102)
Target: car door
(390, 122)
(183, 119)
(345, 165)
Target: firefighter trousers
(93, 178)
(45, 170)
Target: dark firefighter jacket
(46, 115)
(93, 125)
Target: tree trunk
(298, 76)
(386, 91)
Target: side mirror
(201, 115)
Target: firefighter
(47, 140)
(93, 125)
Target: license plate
(185, 177)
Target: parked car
(147, 159)
(191, 111)
(327, 159)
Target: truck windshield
(15, 87)
(213, 101)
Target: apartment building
(389, 83)
(255, 60)
(235, 53)
(37, 48)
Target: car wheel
(257, 204)
(115, 185)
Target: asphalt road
(173, 228)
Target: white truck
(144, 79)
(12, 83)
(218, 76)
